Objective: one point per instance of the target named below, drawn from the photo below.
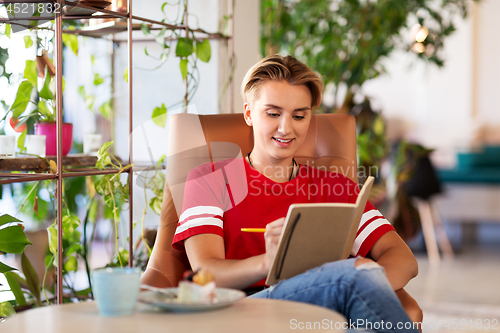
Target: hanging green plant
(106, 108)
(189, 49)
(114, 192)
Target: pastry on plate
(197, 287)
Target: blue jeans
(362, 294)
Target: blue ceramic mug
(116, 290)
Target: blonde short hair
(278, 68)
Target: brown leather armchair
(194, 139)
(330, 142)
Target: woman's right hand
(207, 251)
(272, 236)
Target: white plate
(165, 298)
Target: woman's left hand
(272, 237)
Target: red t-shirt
(223, 197)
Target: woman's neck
(278, 170)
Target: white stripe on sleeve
(202, 221)
(365, 233)
(369, 215)
(198, 210)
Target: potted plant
(44, 110)
(35, 104)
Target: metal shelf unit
(6, 178)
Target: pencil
(253, 229)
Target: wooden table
(248, 315)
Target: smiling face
(280, 116)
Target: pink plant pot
(49, 129)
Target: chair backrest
(330, 143)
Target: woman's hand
(272, 236)
(207, 251)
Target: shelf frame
(60, 175)
(58, 51)
(130, 137)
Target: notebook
(317, 233)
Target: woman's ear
(247, 114)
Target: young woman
(280, 95)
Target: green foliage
(72, 246)
(160, 39)
(156, 184)
(4, 56)
(26, 197)
(89, 99)
(13, 240)
(4, 219)
(8, 30)
(160, 115)
(106, 108)
(71, 265)
(23, 97)
(52, 231)
(27, 42)
(103, 156)
(12, 237)
(371, 142)
(371, 148)
(183, 65)
(71, 41)
(113, 191)
(30, 72)
(184, 47)
(46, 93)
(32, 281)
(44, 99)
(30, 284)
(44, 110)
(163, 6)
(155, 204)
(203, 50)
(346, 41)
(120, 260)
(5, 268)
(72, 188)
(6, 310)
(12, 280)
(70, 223)
(28, 91)
(145, 29)
(21, 139)
(188, 48)
(98, 80)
